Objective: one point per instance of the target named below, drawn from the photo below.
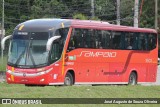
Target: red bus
(67, 52)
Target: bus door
(80, 46)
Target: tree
(105, 9)
(148, 13)
(17, 11)
(80, 16)
(78, 6)
(127, 12)
(50, 8)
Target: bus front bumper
(40, 78)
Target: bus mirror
(50, 41)
(4, 40)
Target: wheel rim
(132, 80)
(67, 81)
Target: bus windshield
(28, 49)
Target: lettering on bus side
(97, 54)
(148, 60)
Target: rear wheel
(68, 81)
(132, 79)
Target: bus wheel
(132, 79)
(68, 81)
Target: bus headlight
(9, 79)
(44, 72)
(41, 80)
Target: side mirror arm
(4, 40)
(50, 41)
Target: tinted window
(152, 41)
(103, 39)
(58, 44)
(116, 39)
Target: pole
(118, 12)
(2, 27)
(136, 13)
(156, 14)
(140, 13)
(92, 9)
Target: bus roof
(49, 24)
(106, 25)
(43, 25)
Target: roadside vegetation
(3, 63)
(103, 91)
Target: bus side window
(152, 41)
(130, 40)
(72, 41)
(71, 45)
(99, 40)
(116, 40)
(135, 41)
(142, 41)
(55, 52)
(106, 39)
(140, 37)
(80, 38)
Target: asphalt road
(2, 78)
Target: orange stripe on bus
(12, 76)
(21, 27)
(63, 60)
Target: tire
(68, 80)
(132, 79)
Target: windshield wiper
(29, 53)
(41, 65)
(11, 64)
(25, 66)
(20, 57)
(32, 59)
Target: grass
(109, 91)
(19, 91)
(3, 63)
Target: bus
(69, 52)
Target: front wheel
(68, 81)
(132, 79)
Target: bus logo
(98, 54)
(24, 74)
